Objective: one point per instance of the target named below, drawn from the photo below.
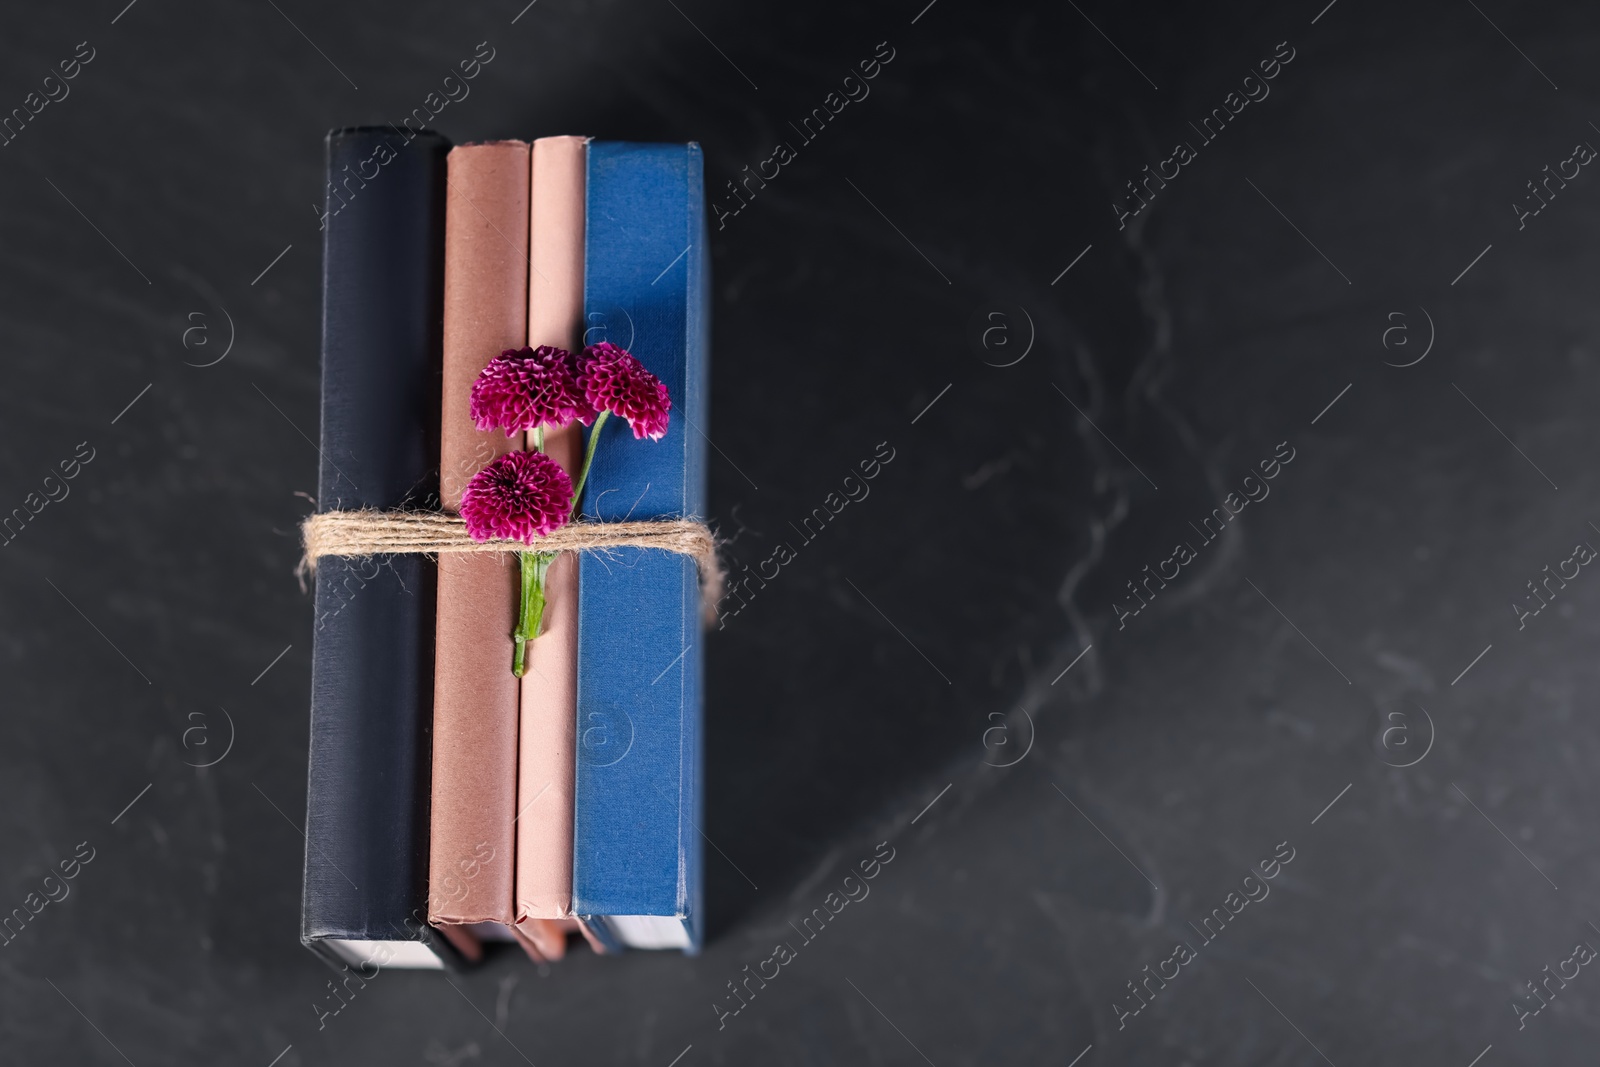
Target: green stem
(535, 565)
(588, 458)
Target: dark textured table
(1088, 722)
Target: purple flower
(520, 496)
(521, 388)
(610, 379)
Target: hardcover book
(549, 689)
(637, 853)
(366, 858)
(472, 868)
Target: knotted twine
(372, 533)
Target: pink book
(471, 868)
(547, 738)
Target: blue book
(639, 788)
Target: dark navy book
(366, 872)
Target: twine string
(374, 533)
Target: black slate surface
(1341, 675)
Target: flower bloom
(521, 388)
(520, 496)
(611, 379)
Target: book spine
(697, 387)
(475, 703)
(639, 781)
(366, 829)
(549, 689)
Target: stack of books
(450, 802)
